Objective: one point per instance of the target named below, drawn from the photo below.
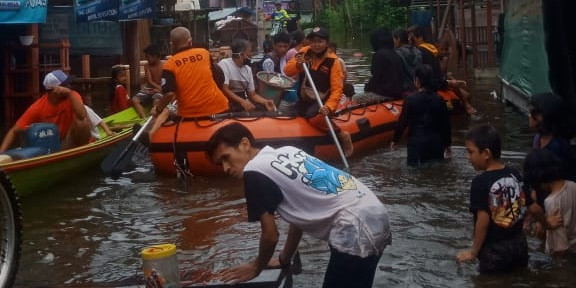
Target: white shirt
(325, 202)
(562, 238)
(94, 122)
(268, 65)
(238, 79)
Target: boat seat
(39, 139)
(43, 135)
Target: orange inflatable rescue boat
(182, 146)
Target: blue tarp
(22, 11)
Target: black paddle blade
(118, 159)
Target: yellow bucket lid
(158, 251)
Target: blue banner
(137, 9)
(96, 10)
(22, 11)
(94, 38)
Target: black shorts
(504, 256)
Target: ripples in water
(92, 229)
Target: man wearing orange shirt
(59, 105)
(189, 80)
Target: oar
(326, 117)
(118, 159)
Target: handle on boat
(115, 162)
(330, 128)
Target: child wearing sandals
(543, 170)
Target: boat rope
(180, 156)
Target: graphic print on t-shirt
(507, 201)
(315, 173)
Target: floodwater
(90, 231)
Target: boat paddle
(326, 117)
(119, 158)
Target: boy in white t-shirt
(314, 197)
(95, 121)
(543, 171)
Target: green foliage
(331, 17)
(360, 16)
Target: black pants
(422, 149)
(309, 110)
(348, 271)
(504, 256)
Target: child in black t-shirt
(498, 204)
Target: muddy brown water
(90, 230)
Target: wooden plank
(269, 278)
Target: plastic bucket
(161, 266)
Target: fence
(479, 48)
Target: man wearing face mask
(189, 79)
(238, 80)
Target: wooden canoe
(38, 173)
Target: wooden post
(474, 36)
(144, 32)
(86, 66)
(260, 24)
(86, 86)
(462, 33)
(34, 60)
(65, 54)
(489, 35)
(438, 30)
(443, 25)
(132, 54)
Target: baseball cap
(56, 78)
(319, 32)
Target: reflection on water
(92, 229)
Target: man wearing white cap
(59, 105)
